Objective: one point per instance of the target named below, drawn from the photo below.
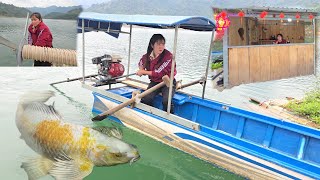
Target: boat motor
(109, 67)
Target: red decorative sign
(222, 21)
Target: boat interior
(260, 135)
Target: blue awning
(107, 22)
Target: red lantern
(298, 17)
(241, 15)
(263, 14)
(311, 17)
(281, 16)
(222, 21)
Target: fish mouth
(134, 159)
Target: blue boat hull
(287, 149)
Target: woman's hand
(140, 72)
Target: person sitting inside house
(280, 40)
(156, 63)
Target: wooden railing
(263, 63)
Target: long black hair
(280, 35)
(155, 38)
(37, 15)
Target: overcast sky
(46, 3)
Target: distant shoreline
(43, 18)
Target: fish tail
(36, 96)
(37, 167)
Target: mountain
(72, 14)
(51, 9)
(155, 7)
(10, 10)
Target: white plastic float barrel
(56, 56)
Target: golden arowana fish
(68, 151)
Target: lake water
(158, 162)
(63, 32)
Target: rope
(59, 57)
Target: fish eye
(118, 154)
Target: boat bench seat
(127, 92)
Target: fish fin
(110, 131)
(39, 111)
(73, 169)
(36, 96)
(37, 167)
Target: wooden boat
(249, 144)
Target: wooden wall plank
(291, 31)
(254, 58)
(265, 60)
(301, 61)
(243, 65)
(293, 55)
(263, 63)
(274, 63)
(233, 67)
(284, 62)
(309, 59)
(275, 29)
(234, 37)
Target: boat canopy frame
(112, 24)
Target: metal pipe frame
(129, 54)
(22, 42)
(225, 58)
(315, 47)
(83, 54)
(172, 68)
(107, 30)
(208, 63)
(317, 39)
